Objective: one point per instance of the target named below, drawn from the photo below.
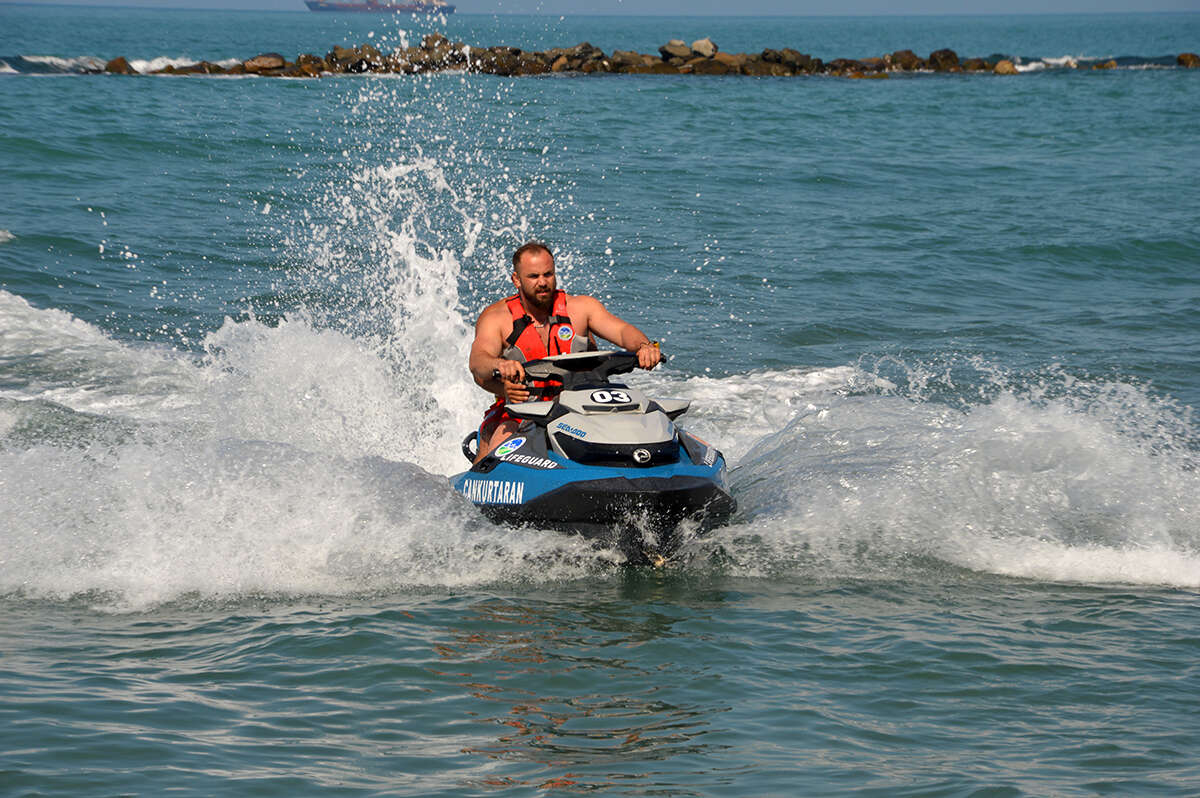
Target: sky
(719, 7)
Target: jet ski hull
(636, 510)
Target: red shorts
(493, 417)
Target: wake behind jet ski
(601, 459)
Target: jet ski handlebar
(582, 366)
(578, 368)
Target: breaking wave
(51, 65)
(162, 62)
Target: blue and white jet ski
(602, 460)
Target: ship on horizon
(419, 7)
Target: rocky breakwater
(702, 57)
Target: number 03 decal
(610, 397)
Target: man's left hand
(649, 355)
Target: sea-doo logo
(530, 460)
(494, 491)
(565, 333)
(509, 446)
(641, 456)
(567, 428)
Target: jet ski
(600, 459)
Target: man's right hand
(512, 380)
(509, 370)
(515, 392)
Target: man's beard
(541, 304)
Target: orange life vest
(525, 337)
(525, 344)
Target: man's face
(534, 278)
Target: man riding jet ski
(598, 458)
(536, 322)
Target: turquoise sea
(944, 328)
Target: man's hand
(649, 355)
(515, 392)
(509, 370)
(512, 380)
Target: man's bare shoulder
(494, 314)
(583, 302)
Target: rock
(503, 61)
(1106, 65)
(432, 41)
(943, 60)
(530, 64)
(119, 66)
(708, 66)
(587, 51)
(905, 60)
(976, 65)
(657, 68)
(676, 48)
(626, 58)
(443, 56)
(260, 63)
(576, 57)
(704, 47)
(840, 66)
(1189, 60)
(873, 64)
(798, 61)
(308, 59)
(762, 68)
(559, 64)
(731, 60)
(1005, 67)
(340, 59)
(868, 76)
(202, 68)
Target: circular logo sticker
(509, 446)
(565, 333)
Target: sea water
(943, 327)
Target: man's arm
(617, 330)
(485, 359)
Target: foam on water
(76, 64)
(179, 62)
(1098, 484)
(297, 463)
(5, 236)
(50, 355)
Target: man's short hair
(530, 246)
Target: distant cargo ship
(426, 7)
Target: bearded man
(538, 321)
